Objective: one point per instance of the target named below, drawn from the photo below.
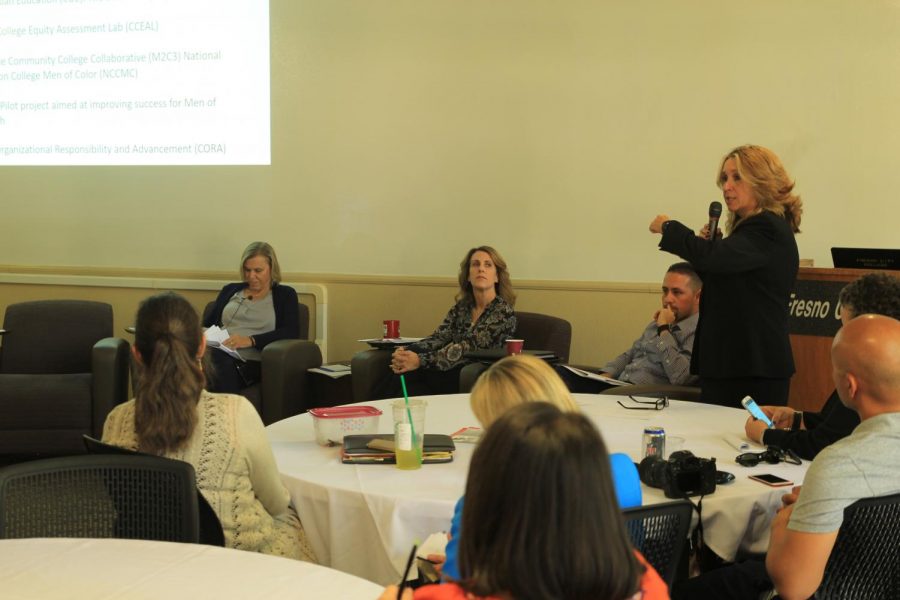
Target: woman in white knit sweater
(221, 435)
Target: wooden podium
(814, 312)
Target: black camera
(682, 475)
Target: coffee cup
(391, 328)
(514, 347)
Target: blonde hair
(772, 186)
(266, 251)
(516, 380)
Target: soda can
(654, 442)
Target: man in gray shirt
(865, 360)
(866, 366)
(662, 354)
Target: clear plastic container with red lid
(333, 423)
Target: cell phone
(771, 480)
(754, 409)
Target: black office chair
(540, 332)
(865, 560)
(211, 532)
(284, 389)
(100, 496)
(660, 533)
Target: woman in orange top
(541, 518)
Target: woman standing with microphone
(742, 346)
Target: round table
(362, 519)
(112, 569)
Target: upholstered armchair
(540, 332)
(368, 369)
(61, 372)
(284, 388)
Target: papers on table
(595, 376)
(436, 543)
(215, 338)
(742, 444)
(469, 435)
(390, 342)
(335, 371)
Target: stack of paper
(215, 338)
(335, 371)
(595, 376)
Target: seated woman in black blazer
(256, 312)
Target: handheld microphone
(715, 211)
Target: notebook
(438, 448)
(494, 354)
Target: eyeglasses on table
(772, 455)
(658, 404)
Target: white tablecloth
(362, 519)
(111, 569)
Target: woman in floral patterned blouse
(482, 318)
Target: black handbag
(249, 371)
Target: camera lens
(652, 471)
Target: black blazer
(287, 313)
(748, 278)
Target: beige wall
(605, 317)
(406, 131)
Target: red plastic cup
(392, 328)
(514, 347)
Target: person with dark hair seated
(482, 318)
(221, 435)
(256, 312)
(805, 432)
(541, 518)
(662, 355)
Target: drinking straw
(409, 416)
